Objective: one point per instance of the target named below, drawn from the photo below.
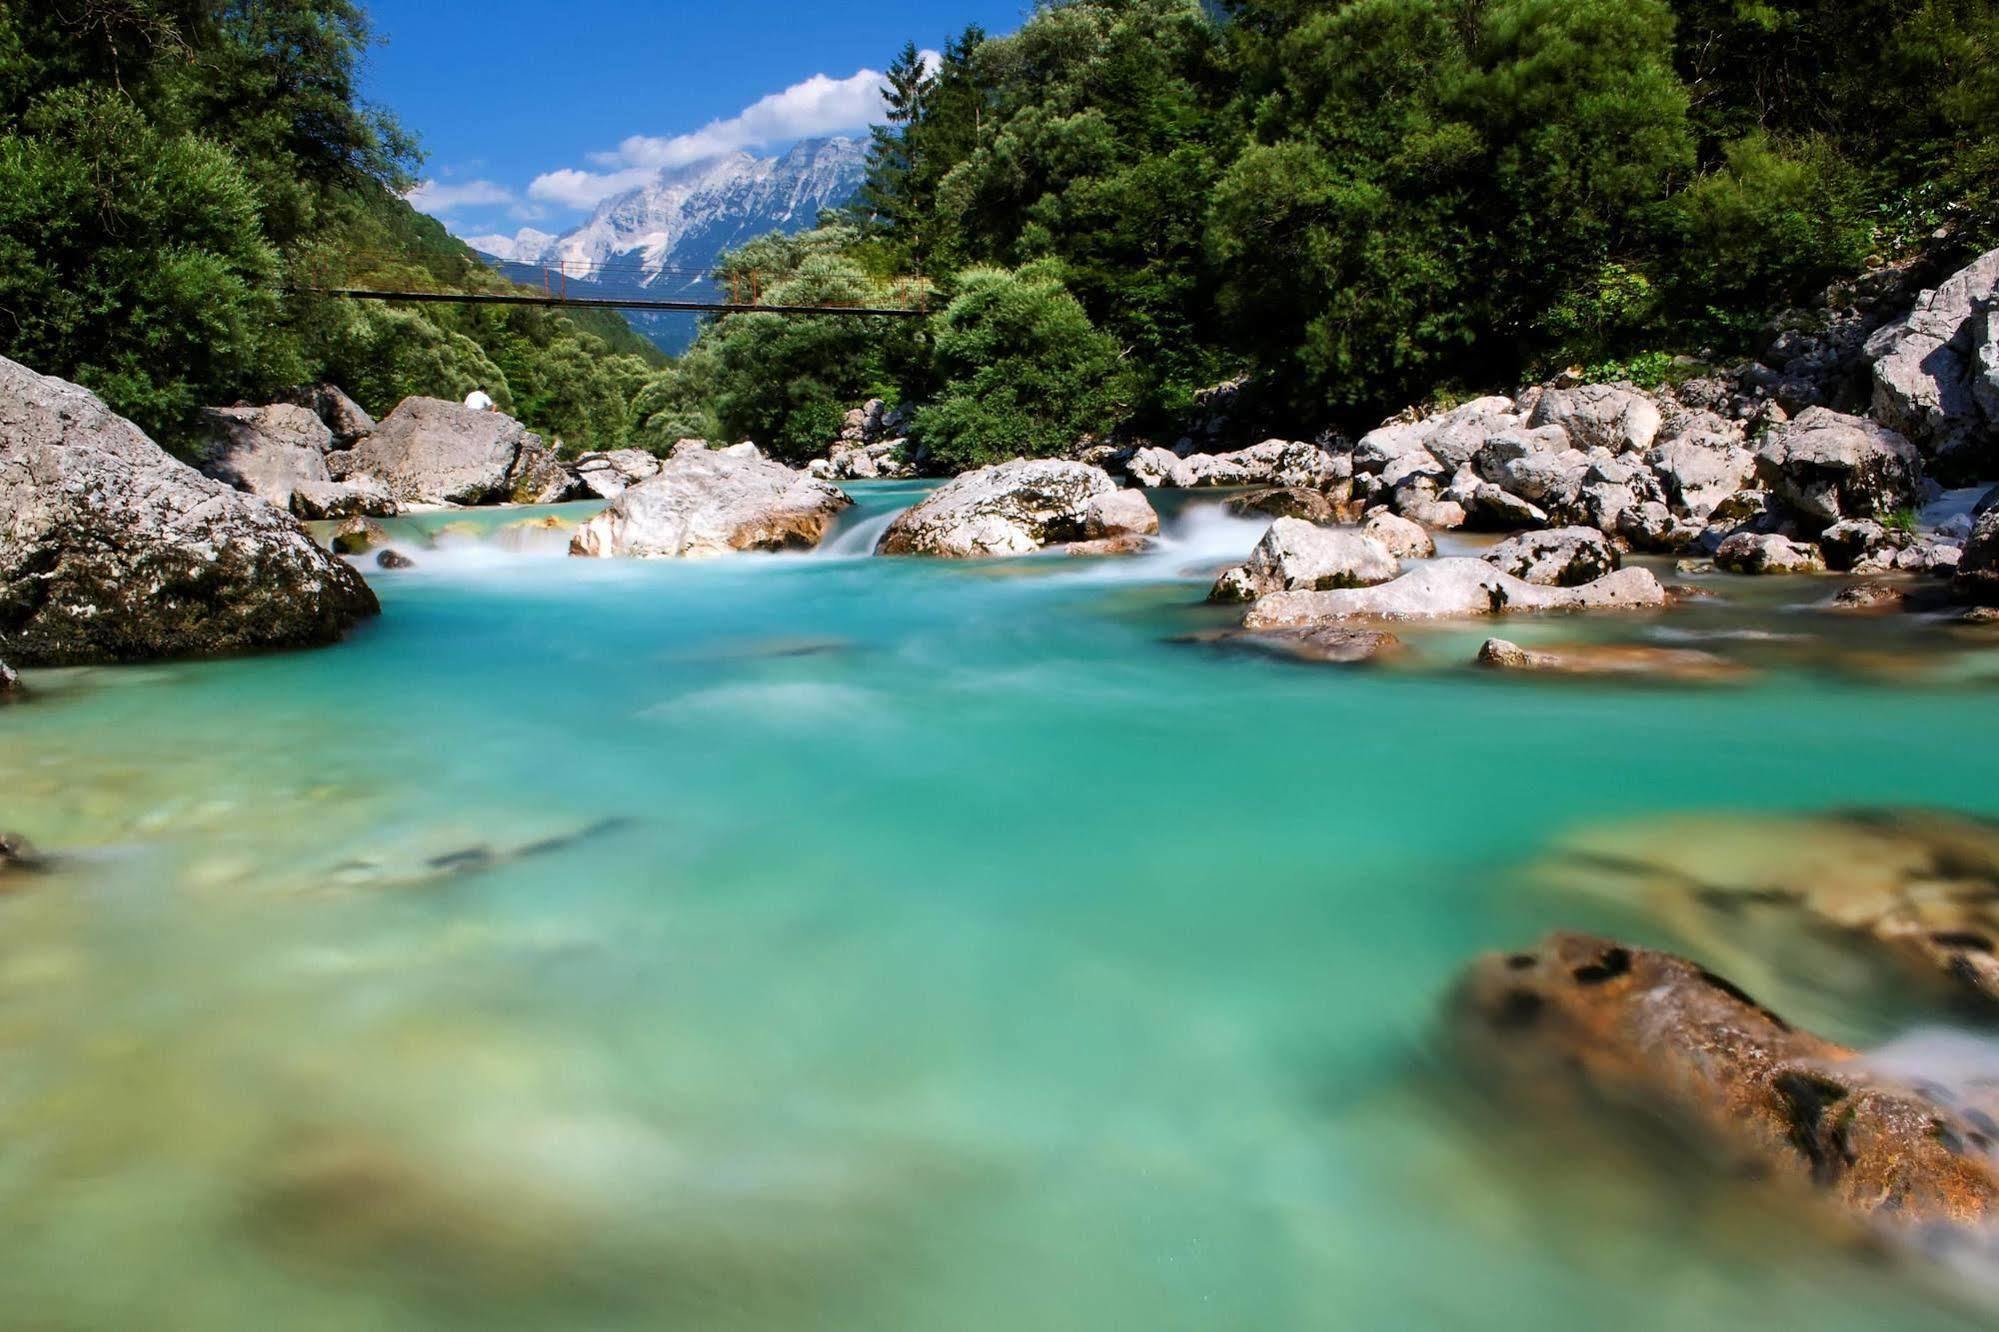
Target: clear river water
(843, 943)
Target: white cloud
(438, 199)
(819, 105)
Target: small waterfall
(856, 539)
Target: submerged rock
(1913, 890)
(1870, 599)
(1321, 645)
(1565, 557)
(1455, 588)
(1615, 660)
(428, 451)
(1602, 1024)
(1296, 556)
(113, 551)
(394, 559)
(705, 503)
(1017, 508)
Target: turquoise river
(840, 943)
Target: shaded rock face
(1454, 589)
(1908, 894)
(1295, 556)
(10, 683)
(343, 417)
(1830, 467)
(1017, 508)
(706, 503)
(1978, 568)
(1661, 1036)
(1565, 557)
(1311, 506)
(113, 551)
(608, 475)
(1933, 368)
(1767, 553)
(428, 451)
(269, 452)
(1611, 660)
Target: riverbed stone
(1617, 417)
(428, 451)
(1636, 661)
(1320, 645)
(1404, 539)
(1978, 566)
(268, 452)
(10, 682)
(113, 551)
(1857, 545)
(609, 474)
(393, 560)
(1564, 557)
(710, 502)
(1455, 589)
(1929, 365)
(1626, 1029)
(1311, 506)
(345, 419)
(326, 500)
(1767, 553)
(1829, 467)
(1017, 508)
(1275, 462)
(1294, 555)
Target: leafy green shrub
(1025, 372)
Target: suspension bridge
(632, 286)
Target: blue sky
(530, 110)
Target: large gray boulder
(348, 421)
(1017, 508)
(1933, 368)
(1699, 471)
(1275, 462)
(1767, 553)
(1453, 438)
(360, 497)
(1296, 556)
(113, 551)
(1564, 557)
(1404, 539)
(705, 503)
(1830, 467)
(428, 451)
(1454, 589)
(1617, 417)
(268, 452)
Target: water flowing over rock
(428, 451)
(113, 551)
(1565, 557)
(1767, 553)
(1830, 467)
(1017, 508)
(1453, 589)
(269, 452)
(1613, 1026)
(1933, 368)
(706, 502)
(1296, 556)
(608, 475)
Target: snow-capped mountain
(663, 238)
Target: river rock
(1869, 599)
(358, 536)
(1830, 467)
(1405, 540)
(1452, 589)
(1311, 506)
(1453, 438)
(1565, 557)
(1320, 645)
(113, 551)
(1662, 1038)
(1296, 556)
(1017, 508)
(1616, 417)
(705, 503)
(363, 497)
(1275, 462)
(1978, 567)
(608, 475)
(1857, 545)
(1767, 553)
(344, 418)
(1612, 660)
(393, 560)
(428, 451)
(268, 452)
(10, 682)
(1931, 380)
(1698, 472)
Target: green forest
(1359, 204)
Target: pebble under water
(832, 942)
